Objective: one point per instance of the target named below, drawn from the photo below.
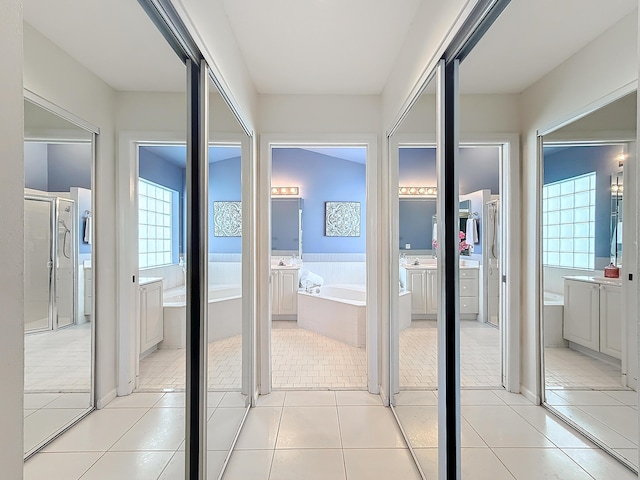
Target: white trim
(374, 229)
(106, 399)
(60, 112)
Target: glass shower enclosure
(51, 245)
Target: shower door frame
(52, 323)
(51, 310)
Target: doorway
(318, 329)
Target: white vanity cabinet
(469, 292)
(611, 320)
(422, 282)
(593, 316)
(416, 283)
(284, 292)
(151, 314)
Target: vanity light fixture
(418, 191)
(288, 191)
(617, 189)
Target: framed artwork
(342, 219)
(227, 219)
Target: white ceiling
(322, 46)
(532, 37)
(114, 39)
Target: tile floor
(323, 435)
(305, 359)
(137, 437)
(165, 369)
(568, 368)
(480, 359)
(58, 360)
(611, 416)
(45, 414)
(506, 437)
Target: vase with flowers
(463, 246)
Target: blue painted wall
(560, 164)
(321, 179)
(57, 167)
(69, 165)
(225, 184)
(36, 173)
(157, 170)
(479, 168)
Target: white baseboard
(529, 395)
(106, 399)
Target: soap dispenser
(611, 271)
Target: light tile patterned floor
(480, 360)
(568, 368)
(58, 360)
(611, 416)
(164, 369)
(305, 359)
(322, 435)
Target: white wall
(479, 114)
(55, 76)
(208, 23)
(603, 66)
(319, 113)
(11, 239)
(422, 46)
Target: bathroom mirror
(286, 226)
(415, 223)
(617, 190)
(58, 303)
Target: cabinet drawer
(468, 273)
(468, 287)
(469, 305)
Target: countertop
(285, 267)
(431, 264)
(146, 280)
(592, 279)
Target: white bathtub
(553, 313)
(224, 314)
(340, 312)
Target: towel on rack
(88, 230)
(472, 232)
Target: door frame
(509, 144)
(127, 238)
(373, 235)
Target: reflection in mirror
(414, 303)
(58, 306)
(617, 190)
(587, 360)
(228, 316)
(286, 226)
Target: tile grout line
(275, 444)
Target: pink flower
(462, 245)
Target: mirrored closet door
(58, 320)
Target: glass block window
(155, 207)
(568, 222)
